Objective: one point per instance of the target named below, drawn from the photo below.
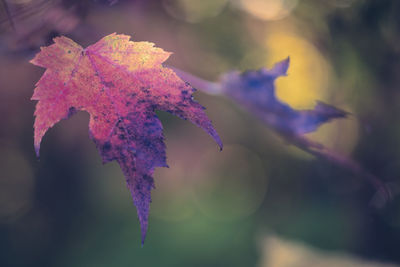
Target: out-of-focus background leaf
(209, 208)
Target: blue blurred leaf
(255, 91)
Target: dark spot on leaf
(147, 142)
(145, 89)
(106, 147)
(108, 84)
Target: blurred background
(259, 202)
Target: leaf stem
(205, 86)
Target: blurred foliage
(209, 208)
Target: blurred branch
(383, 194)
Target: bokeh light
(193, 10)
(279, 252)
(309, 79)
(229, 193)
(308, 74)
(268, 9)
(341, 3)
(16, 184)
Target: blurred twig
(383, 195)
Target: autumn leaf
(120, 83)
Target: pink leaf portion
(120, 84)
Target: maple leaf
(120, 84)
